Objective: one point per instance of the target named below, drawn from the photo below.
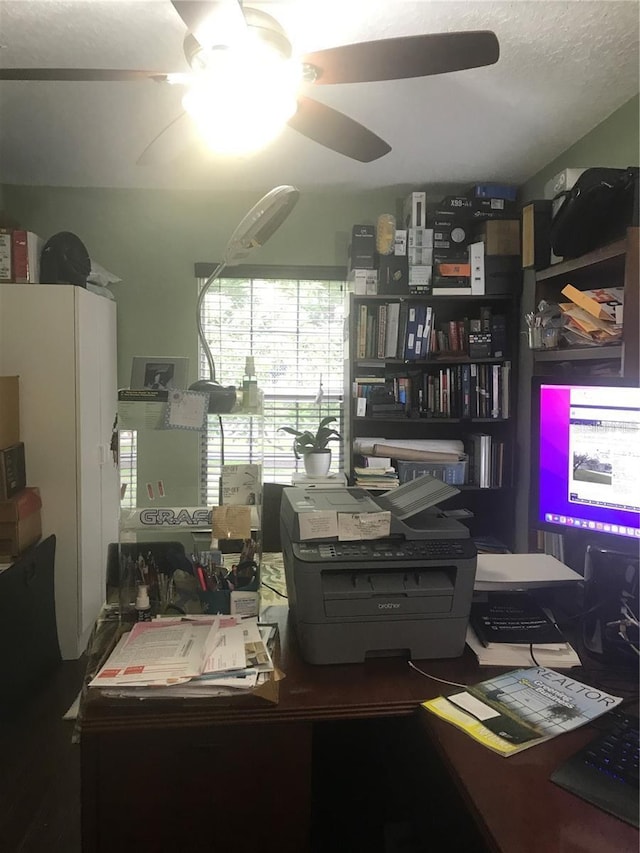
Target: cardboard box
(26, 248)
(6, 268)
(364, 282)
(414, 210)
(363, 247)
(502, 274)
(9, 411)
(476, 208)
(20, 522)
(393, 274)
(505, 191)
(500, 236)
(536, 239)
(400, 242)
(13, 476)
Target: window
(127, 462)
(291, 321)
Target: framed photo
(159, 372)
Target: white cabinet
(61, 341)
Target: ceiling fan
(222, 30)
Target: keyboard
(605, 772)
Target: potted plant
(312, 448)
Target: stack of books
(511, 629)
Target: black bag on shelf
(596, 211)
(64, 260)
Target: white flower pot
(317, 463)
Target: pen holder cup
(535, 338)
(213, 602)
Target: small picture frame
(159, 372)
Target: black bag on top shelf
(600, 206)
(64, 260)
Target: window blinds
(293, 328)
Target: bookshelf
(444, 392)
(614, 265)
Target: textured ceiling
(564, 67)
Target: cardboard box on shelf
(6, 267)
(363, 247)
(500, 236)
(9, 411)
(414, 210)
(393, 274)
(26, 248)
(20, 522)
(363, 282)
(13, 476)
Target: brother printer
(405, 589)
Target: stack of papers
(553, 655)
(206, 655)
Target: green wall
(151, 239)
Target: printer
(406, 589)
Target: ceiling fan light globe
(244, 99)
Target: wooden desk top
(379, 687)
(515, 804)
(512, 799)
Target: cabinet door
(97, 476)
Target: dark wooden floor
(40, 768)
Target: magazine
(522, 708)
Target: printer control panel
(387, 549)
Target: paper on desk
(153, 652)
(518, 571)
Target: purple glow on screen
(554, 477)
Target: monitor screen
(586, 457)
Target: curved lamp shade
(257, 226)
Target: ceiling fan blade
(337, 131)
(80, 75)
(167, 145)
(212, 22)
(408, 56)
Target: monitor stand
(611, 605)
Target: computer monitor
(586, 458)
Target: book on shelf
(391, 336)
(522, 708)
(480, 459)
(513, 617)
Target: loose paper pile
(205, 654)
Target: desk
(176, 774)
